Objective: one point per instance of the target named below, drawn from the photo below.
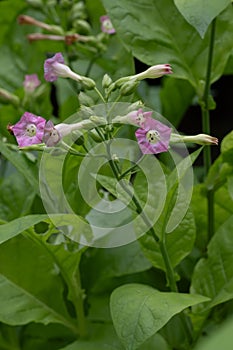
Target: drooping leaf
(139, 311)
(213, 275)
(201, 13)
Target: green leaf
(227, 147)
(30, 287)
(72, 225)
(179, 243)
(200, 13)
(104, 337)
(16, 200)
(139, 311)
(221, 339)
(213, 276)
(22, 164)
(19, 225)
(37, 336)
(101, 337)
(161, 35)
(176, 96)
(114, 262)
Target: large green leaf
(157, 33)
(200, 13)
(139, 311)
(213, 276)
(30, 288)
(179, 243)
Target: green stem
(126, 172)
(162, 243)
(99, 94)
(206, 128)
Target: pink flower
(29, 130)
(154, 137)
(54, 67)
(31, 82)
(51, 135)
(154, 72)
(106, 25)
(137, 117)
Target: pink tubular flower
(51, 135)
(154, 72)
(106, 25)
(29, 130)
(31, 82)
(54, 67)
(154, 137)
(137, 117)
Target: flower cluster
(153, 136)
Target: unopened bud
(128, 88)
(38, 4)
(200, 139)
(106, 82)
(88, 83)
(81, 26)
(78, 10)
(7, 97)
(98, 120)
(95, 136)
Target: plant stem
(206, 129)
(99, 94)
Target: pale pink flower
(55, 67)
(31, 82)
(154, 137)
(137, 117)
(106, 25)
(154, 72)
(29, 130)
(200, 139)
(51, 134)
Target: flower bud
(7, 97)
(200, 139)
(95, 136)
(81, 26)
(38, 4)
(128, 88)
(107, 81)
(88, 83)
(98, 120)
